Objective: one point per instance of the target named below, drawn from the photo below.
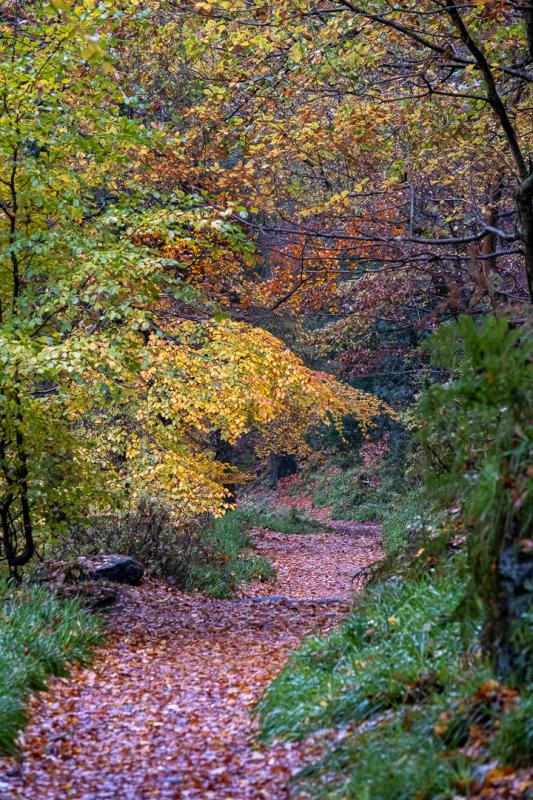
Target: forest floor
(165, 710)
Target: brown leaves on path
(318, 565)
(165, 710)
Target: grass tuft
(278, 518)
(40, 636)
(227, 565)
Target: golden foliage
(227, 378)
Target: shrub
(206, 555)
(476, 434)
(40, 636)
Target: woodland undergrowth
(407, 697)
(40, 636)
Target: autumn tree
(72, 287)
(340, 123)
(115, 364)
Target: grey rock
(115, 568)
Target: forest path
(165, 710)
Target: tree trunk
(511, 643)
(16, 526)
(524, 202)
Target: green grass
(40, 636)
(399, 760)
(227, 566)
(221, 581)
(513, 743)
(278, 518)
(421, 750)
(402, 521)
(224, 565)
(357, 493)
(404, 692)
(228, 538)
(399, 643)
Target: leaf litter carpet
(165, 710)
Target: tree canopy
(119, 357)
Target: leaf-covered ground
(165, 710)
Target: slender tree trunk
(507, 630)
(524, 194)
(16, 525)
(524, 202)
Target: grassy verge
(40, 636)
(226, 566)
(373, 663)
(354, 490)
(278, 518)
(404, 698)
(357, 494)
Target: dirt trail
(165, 710)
